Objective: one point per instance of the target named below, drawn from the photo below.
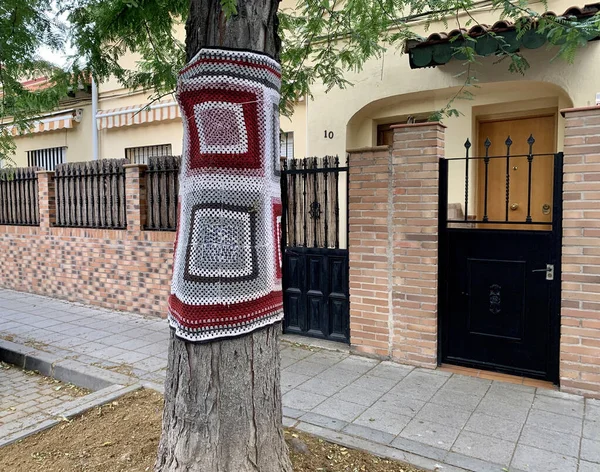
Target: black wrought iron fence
(162, 191)
(91, 194)
(311, 195)
(502, 187)
(19, 197)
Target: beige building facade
(409, 293)
(387, 91)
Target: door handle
(549, 271)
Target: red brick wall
(370, 246)
(393, 226)
(580, 313)
(416, 151)
(127, 270)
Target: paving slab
(441, 414)
(302, 400)
(531, 459)
(426, 417)
(555, 422)
(434, 434)
(585, 466)
(374, 435)
(554, 441)
(362, 396)
(383, 419)
(591, 429)
(335, 424)
(561, 406)
(400, 404)
(373, 382)
(590, 450)
(339, 409)
(485, 448)
(494, 426)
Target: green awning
(441, 48)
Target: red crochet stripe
(231, 61)
(271, 303)
(248, 100)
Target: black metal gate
(499, 278)
(315, 262)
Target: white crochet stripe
(183, 333)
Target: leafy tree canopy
(322, 41)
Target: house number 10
(328, 134)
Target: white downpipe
(94, 125)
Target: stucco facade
(387, 90)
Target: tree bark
(223, 406)
(223, 399)
(253, 28)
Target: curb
(106, 386)
(61, 368)
(42, 421)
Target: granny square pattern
(227, 259)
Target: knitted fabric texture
(227, 262)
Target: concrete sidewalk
(428, 418)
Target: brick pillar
(416, 150)
(135, 195)
(580, 307)
(370, 246)
(46, 198)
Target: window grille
(287, 145)
(48, 158)
(140, 155)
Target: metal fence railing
(312, 201)
(91, 194)
(19, 197)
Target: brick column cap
(45, 172)
(564, 111)
(141, 167)
(417, 125)
(383, 147)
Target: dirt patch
(118, 437)
(123, 437)
(68, 389)
(40, 346)
(125, 369)
(324, 456)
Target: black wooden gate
(315, 262)
(499, 278)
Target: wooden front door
(514, 172)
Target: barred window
(287, 145)
(140, 155)
(47, 158)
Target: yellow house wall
(385, 90)
(113, 141)
(297, 124)
(77, 139)
(422, 90)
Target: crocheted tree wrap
(227, 262)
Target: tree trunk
(223, 398)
